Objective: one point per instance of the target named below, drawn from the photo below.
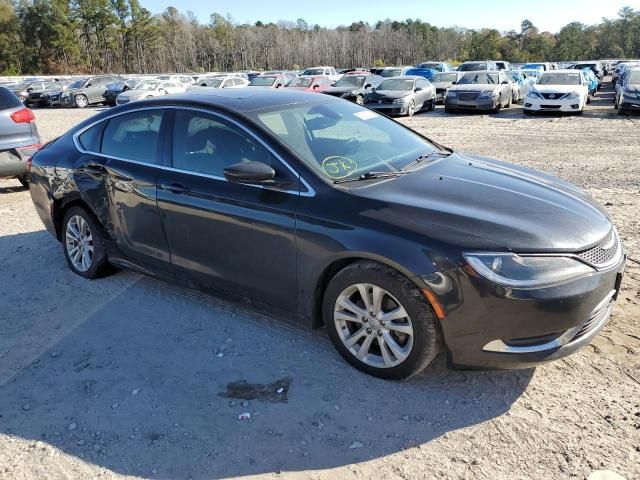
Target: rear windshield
(473, 67)
(8, 99)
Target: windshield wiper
(370, 176)
(424, 157)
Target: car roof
(566, 70)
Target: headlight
(533, 94)
(400, 100)
(526, 272)
(573, 95)
(452, 94)
(488, 94)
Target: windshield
(559, 79)
(404, 84)
(313, 71)
(472, 66)
(77, 83)
(351, 81)
(21, 86)
(391, 72)
(300, 82)
(444, 77)
(148, 86)
(214, 82)
(634, 77)
(340, 139)
(432, 66)
(164, 77)
(479, 78)
(262, 81)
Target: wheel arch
(60, 208)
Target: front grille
(550, 107)
(468, 95)
(553, 96)
(602, 253)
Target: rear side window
(90, 138)
(133, 136)
(8, 99)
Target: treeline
(95, 36)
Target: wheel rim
(373, 325)
(411, 108)
(359, 100)
(79, 243)
(81, 101)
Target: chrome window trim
(309, 193)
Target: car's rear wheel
(84, 244)
(379, 321)
(24, 180)
(81, 101)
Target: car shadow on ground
(12, 189)
(140, 377)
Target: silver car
(402, 96)
(482, 90)
(442, 82)
(19, 137)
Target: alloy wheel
(373, 325)
(79, 243)
(411, 109)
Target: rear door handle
(176, 188)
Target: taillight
(23, 116)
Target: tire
(414, 351)
(498, 107)
(527, 112)
(449, 110)
(508, 105)
(622, 111)
(24, 180)
(80, 101)
(432, 105)
(588, 100)
(359, 100)
(411, 108)
(96, 265)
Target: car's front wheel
(84, 244)
(81, 101)
(411, 108)
(379, 321)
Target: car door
(117, 175)
(235, 237)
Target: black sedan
(340, 216)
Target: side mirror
(249, 172)
(368, 85)
(418, 89)
(505, 82)
(29, 89)
(316, 87)
(454, 82)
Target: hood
(342, 90)
(556, 88)
(132, 94)
(474, 87)
(390, 93)
(479, 203)
(442, 84)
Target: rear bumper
(489, 327)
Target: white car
(329, 72)
(148, 89)
(558, 91)
(223, 81)
(185, 80)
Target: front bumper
(491, 327)
(389, 108)
(540, 105)
(629, 104)
(477, 104)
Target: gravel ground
(130, 377)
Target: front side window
(341, 139)
(262, 81)
(208, 144)
(133, 136)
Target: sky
(504, 15)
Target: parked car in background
(442, 82)
(223, 82)
(531, 75)
(329, 72)
(90, 92)
(149, 89)
(542, 66)
(558, 91)
(388, 72)
(55, 94)
(19, 137)
(421, 72)
(593, 82)
(502, 65)
(23, 89)
(116, 88)
(402, 96)
(269, 81)
(437, 66)
(354, 87)
(39, 97)
(426, 248)
(628, 97)
(519, 85)
(185, 80)
(595, 66)
(478, 66)
(318, 83)
(488, 90)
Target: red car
(316, 83)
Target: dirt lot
(126, 376)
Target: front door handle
(176, 188)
